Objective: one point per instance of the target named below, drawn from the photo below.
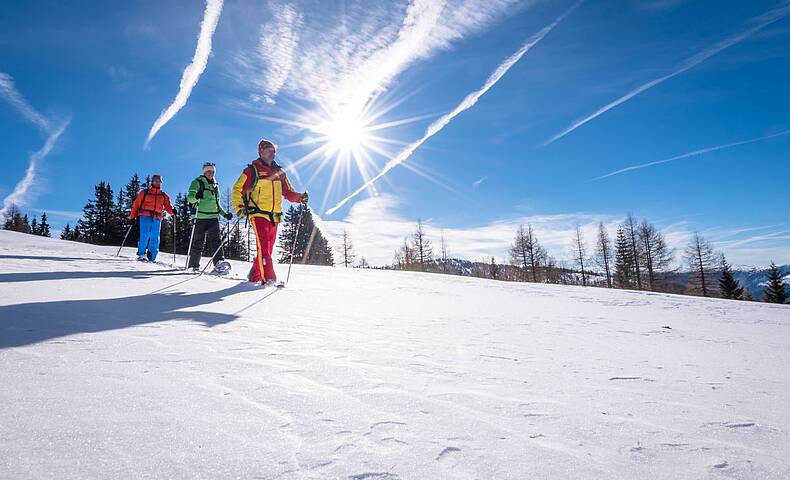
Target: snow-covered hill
(113, 369)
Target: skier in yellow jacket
(257, 195)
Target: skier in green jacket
(203, 196)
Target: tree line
(637, 258)
(17, 222)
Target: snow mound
(111, 368)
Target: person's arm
(288, 190)
(168, 206)
(237, 195)
(194, 187)
(136, 206)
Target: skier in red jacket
(149, 207)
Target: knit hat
(209, 166)
(266, 144)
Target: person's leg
(215, 240)
(153, 238)
(197, 243)
(258, 227)
(269, 236)
(145, 227)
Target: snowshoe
(142, 258)
(221, 268)
(273, 284)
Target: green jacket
(207, 207)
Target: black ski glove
(199, 194)
(228, 216)
(305, 197)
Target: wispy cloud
(194, 70)
(758, 24)
(465, 104)
(341, 65)
(478, 182)
(22, 189)
(693, 154)
(9, 92)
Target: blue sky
(670, 77)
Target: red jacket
(151, 202)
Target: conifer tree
(310, 246)
(43, 226)
(66, 233)
(623, 261)
(775, 291)
(727, 284)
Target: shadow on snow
(28, 323)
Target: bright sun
(345, 132)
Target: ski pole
(125, 237)
(191, 237)
(174, 240)
(293, 247)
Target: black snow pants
(205, 227)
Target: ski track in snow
(360, 374)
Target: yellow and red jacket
(260, 189)
(151, 202)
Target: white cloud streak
(10, 93)
(344, 63)
(194, 70)
(21, 192)
(759, 23)
(22, 188)
(466, 104)
(693, 154)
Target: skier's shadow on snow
(29, 323)
(40, 276)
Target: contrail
(466, 104)
(761, 22)
(21, 188)
(9, 91)
(194, 70)
(691, 154)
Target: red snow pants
(265, 236)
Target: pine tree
(775, 291)
(494, 269)
(727, 284)
(43, 226)
(702, 261)
(99, 224)
(347, 250)
(423, 249)
(126, 198)
(603, 253)
(183, 224)
(310, 246)
(66, 233)
(580, 252)
(34, 226)
(623, 261)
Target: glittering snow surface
(111, 368)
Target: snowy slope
(362, 374)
